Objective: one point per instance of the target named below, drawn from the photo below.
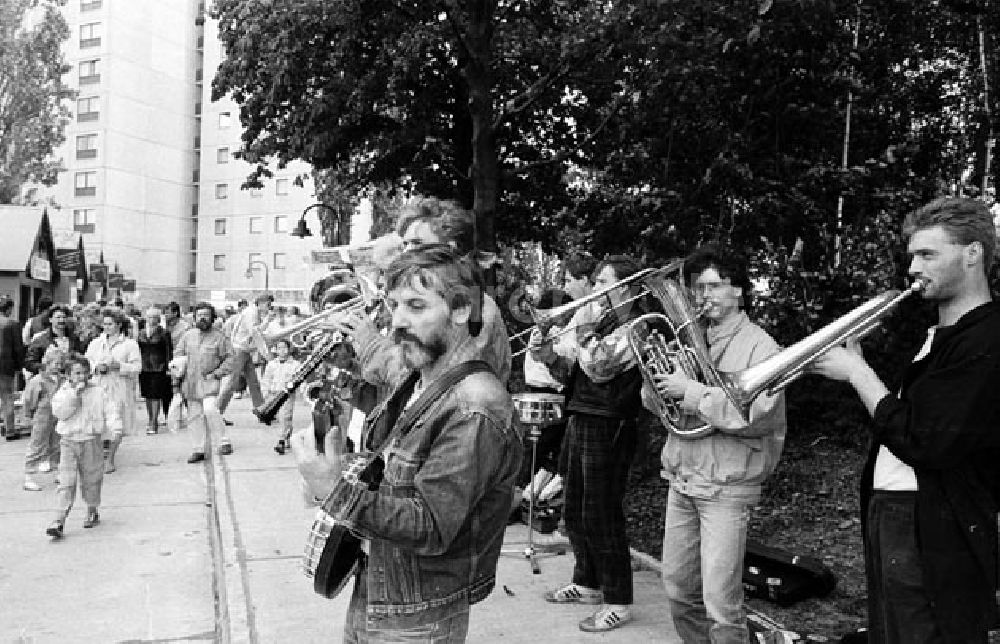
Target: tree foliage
(33, 114)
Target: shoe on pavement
(227, 422)
(30, 485)
(92, 519)
(574, 594)
(225, 449)
(55, 529)
(280, 447)
(607, 618)
(151, 430)
(44, 467)
(196, 457)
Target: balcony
(84, 117)
(90, 5)
(90, 191)
(89, 42)
(90, 80)
(86, 154)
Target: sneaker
(30, 485)
(150, 430)
(280, 447)
(225, 449)
(574, 594)
(55, 529)
(607, 618)
(92, 519)
(196, 457)
(44, 467)
(227, 422)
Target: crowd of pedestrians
(78, 374)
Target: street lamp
(302, 231)
(267, 276)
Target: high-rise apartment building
(151, 181)
(130, 158)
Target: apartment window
(84, 220)
(279, 260)
(86, 146)
(197, 108)
(199, 74)
(222, 155)
(192, 278)
(87, 109)
(254, 257)
(88, 72)
(281, 224)
(221, 190)
(194, 211)
(197, 143)
(220, 226)
(256, 225)
(219, 262)
(196, 176)
(90, 5)
(90, 35)
(225, 119)
(85, 184)
(281, 187)
(256, 192)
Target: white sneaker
(607, 618)
(574, 594)
(30, 485)
(45, 467)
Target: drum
(538, 408)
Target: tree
(463, 99)
(33, 114)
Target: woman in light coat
(116, 363)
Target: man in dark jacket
(11, 361)
(929, 490)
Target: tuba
(663, 343)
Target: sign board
(338, 255)
(41, 269)
(128, 286)
(68, 259)
(115, 280)
(99, 273)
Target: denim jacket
(436, 522)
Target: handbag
(782, 577)
(333, 553)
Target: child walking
(276, 374)
(84, 413)
(43, 450)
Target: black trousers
(899, 607)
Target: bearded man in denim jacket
(717, 478)
(434, 525)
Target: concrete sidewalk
(211, 552)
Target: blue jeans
(703, 546)
(449, 630)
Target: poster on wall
(41, 269)
(115, 280)
(99, 273)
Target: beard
(422, 353)
(204, 325)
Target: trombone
(545, 319)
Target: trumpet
(545, 319)
(302, 333)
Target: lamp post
(302, 231)
(267, 276)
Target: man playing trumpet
(716, 478)
(930, 486)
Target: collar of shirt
(727, 328)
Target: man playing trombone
(716, 477)
(602, 401)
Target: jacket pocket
(397, 574)
(401, 469)
(737, 458)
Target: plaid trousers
(598, 452)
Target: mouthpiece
(918, 285)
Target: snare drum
(538, 408)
